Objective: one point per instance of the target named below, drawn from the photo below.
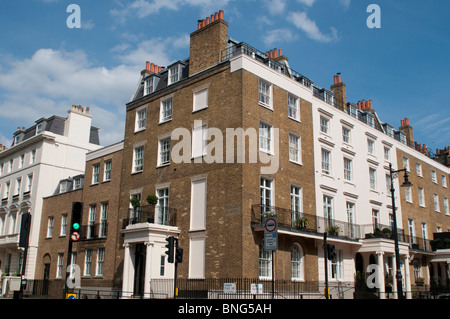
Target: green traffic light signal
(76, 226)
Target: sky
(46, 65)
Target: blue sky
(45, 67)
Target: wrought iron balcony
(153, 214)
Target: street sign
(271, 233)
(229, 287)
(71, 296)
(75, 236)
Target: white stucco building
(40, 156)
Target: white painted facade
(39, 162)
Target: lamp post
(406, 183)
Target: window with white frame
(424, 235)
(138, 159)
(296, 203)
(7, 187)
(174, 74)
(411, 231)
(22, 160)
(63, 231)
(348, 170)
(95, 173)
(50, 227)
(149, 85)
(59, 266)
(107, 171)
(29, 183)
(100, 261)
(370, 146)
(419, 169)
(162, 206)
(18, 186)
(141, 119)
(164, 151)
(88, 262)
(408, 196)
(91, 221)
(293, 107)
(162, 266)
(326, 161)
(436, 202)
(373, 178)
(433, 177)
(294, 148)
(446, 210)
(265, 94)
(33, 156)
(77, 182)
(421, 197)
(328, 210)
(387, 154)
(405, 163)
(200, 99)
(444, 181)
(324, 125)
(166, 110)
(103, 219)
(375, 218)
(350, 219)
(335, 266)
(265, 137)
(297, 271)
(345, 135)
(267, 195)
(265, 262)
(11, 164)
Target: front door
(139, 274)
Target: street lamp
(406, 183)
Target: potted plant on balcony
(301, 223)
(136, 203)
(333, 230)
(152, 199)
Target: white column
(408, 293)
(127, 289)
(382, 288)
(148, 269)
(435, 272)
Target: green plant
(333, 230)
(135, 202)
(152, 199)
(301, 223)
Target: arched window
(265, 262)
(297, 264)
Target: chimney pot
(216, 17)
(280, 52)
(221, 14)
(199, 24)
(208, 20)
(335, 79)
(339, 77)
(203, 23)
(147, 65)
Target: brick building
(96, 251)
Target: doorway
(139, 274)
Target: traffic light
(170, 248)
(179, 255)
(331, 252)
(75, 224)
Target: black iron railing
(153, 214)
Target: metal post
(175, 270)
(398, 274)
(325, 254)
(273, 274)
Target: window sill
(162, 165)
(165, 121)
(267, 106)
(139, 130)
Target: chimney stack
(407, 128)
(340, 93)
(208, 43)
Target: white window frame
(436, 202)
(346, 135)
(324, 125)
(419, 169)
(199, 141)
(100, 267)
(326, 161)
(293, 107)
(138, 159)
(50, 221)
(162, 207)
(174, 74)
(63, 230)
(297, 264)
(95, 173)
(200, 95)
(348, 169)
(141, 119)
(265, 262)
(149, 85)
(265, 94)
(103, 219)
(265, 137)
(91, 220)
(164, 151)
(446, 208)
(267, 189)
(88, 262)
(433, 176)
(372, 178)
(421, 193)
(166, 109)
(444, 181)
(295, 149)
(370, 146)
(107, 170)
(408, 196)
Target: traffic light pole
(175, 270)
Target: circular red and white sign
(75, 236)
(270, 225)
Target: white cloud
(275, 6)
(301, 21)
(51, 81)
(309, 3)
(279, 36)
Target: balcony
(152, 214)
(302, 222)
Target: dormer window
(150, 84)
(39, 128)
(174, 74)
